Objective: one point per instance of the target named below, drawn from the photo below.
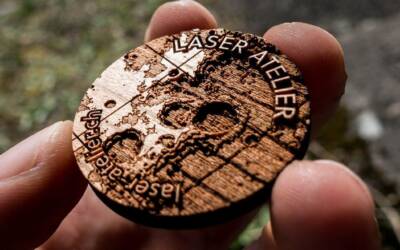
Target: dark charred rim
(182, 222)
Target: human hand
(45, 202)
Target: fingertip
(345, 170)
(320, 57)
(321, 205)
(35, 201)
(174, 17)
(24, 155)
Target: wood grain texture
(192, 129)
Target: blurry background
(51, 51)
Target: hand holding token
(314, 205)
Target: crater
(216, 117)
(176, 115)
(110, 104)
(124, 146)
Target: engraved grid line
(130, 100)
(220, 166)
(254, 129)
(205, 186)
(199, 96)
(79, 139)
(242, 169)
(209, 189)
(176, 67)
(266, 134)
(224, 83)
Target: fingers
(321, 205)
(41, 184)
(320, 58)
(177, 16)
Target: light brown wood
(191, 127)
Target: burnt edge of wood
(211, 218)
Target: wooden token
(192, 129)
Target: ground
(52, 50)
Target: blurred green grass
(51, 51)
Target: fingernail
(184, 2)
(147, 34)
(48, 139)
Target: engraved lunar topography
(191, 126)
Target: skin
(45, 202)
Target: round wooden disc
(192, 129)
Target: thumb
(39, 184)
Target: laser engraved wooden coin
(192, 129)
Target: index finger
(321, 60)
